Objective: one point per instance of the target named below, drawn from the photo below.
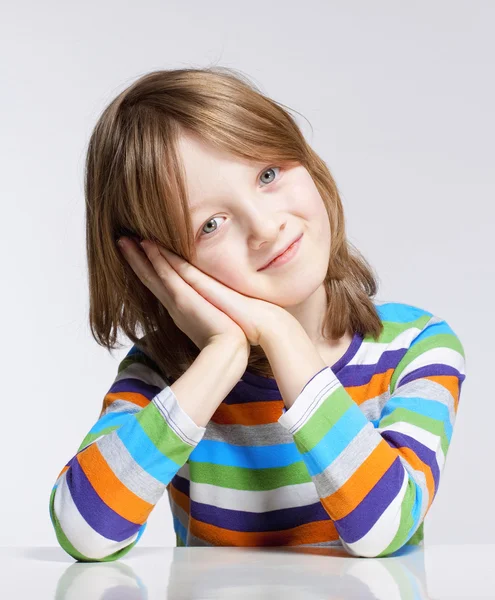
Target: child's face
(245, 213)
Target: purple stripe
(98, 515)
(396, 439)
(250, 392)
(358, 522)
(181, 484)
(356, 342)
(432, 369)
(273, 520)
(269, 383)
(130, 384)
(357, 375)
(354, 375)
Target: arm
(375, 481)
(104, 495)
(293, 358)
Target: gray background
(400, 96)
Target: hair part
(135, 186)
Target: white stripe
(177, 418)
(440, 355)
(370, 352)
(287, 496)
(428, 439)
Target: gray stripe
(130, 473)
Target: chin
(292, 291)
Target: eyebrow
(197, 207)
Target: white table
(437, 571)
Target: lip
(282, 252)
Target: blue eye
(213, 218)
(268, 170)
(210, 221)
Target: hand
(201, 306)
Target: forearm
(293, 358)
(202, 388)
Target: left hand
(253, 315)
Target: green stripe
(434, 426)
(335, 405)
(162, 436)
(442, 340)
(158, 431)
(239, 478)
(391, 329)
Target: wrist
(279, 327)
(237, 348)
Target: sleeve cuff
(322, 384)
(178, 420)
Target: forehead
(208, 169)
(199, 155)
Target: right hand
(200, 320)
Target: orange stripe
(248, 413)
(134, 397)
(451, 383)
(318, 531)
(262, 413)
(360, 483)
(377, 385)
(109, 487)
(309, 533)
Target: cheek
(306, 199)
(225, 269)
(316, 215)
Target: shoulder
(418, 338)
(400, 312)
(412, 324)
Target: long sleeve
(103, 496)
(377, 479)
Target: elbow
(79, 540)
(363, 549)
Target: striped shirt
(355, 462)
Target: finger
(144, 269)
(177, 287)
(187, 271)
(213, 290)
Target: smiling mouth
(284, 256)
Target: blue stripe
(422, 406)
(400, 313)
(145, 453)
(322, 455)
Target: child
(278, 405)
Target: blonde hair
(135, 186)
